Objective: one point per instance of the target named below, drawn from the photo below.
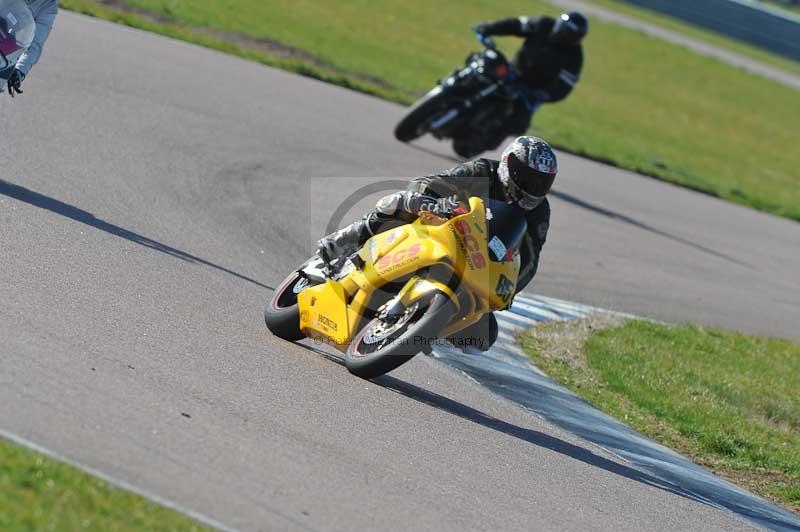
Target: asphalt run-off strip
(508, 372)
(703, 48)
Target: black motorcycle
(468, 103)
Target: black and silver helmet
(570, 28)
(527, 170)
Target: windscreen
(507, 225)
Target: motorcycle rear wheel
(381, 347)
(412, 125)
(467, 148)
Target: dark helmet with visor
(527, 170)
(570, 28)
(17, 29)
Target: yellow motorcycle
(407, 288)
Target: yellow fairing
(323, 313)
(417, 287)
(492, 283)
(332, 311)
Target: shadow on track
(73, 213)
(764, 518)
(573, 200)
(770, 520)
(534, 437)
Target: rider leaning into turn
(549, 63)
(524, 174)
(44, 15)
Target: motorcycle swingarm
(438, 124)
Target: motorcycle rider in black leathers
(549, 64)
(524, 174)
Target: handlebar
(485, 40)
(509, 73)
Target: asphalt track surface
(152, 194)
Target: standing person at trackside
(523, 175)
(549, 64)
(44, 15)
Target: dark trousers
(511, 120)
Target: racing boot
(336, 247)
(481, 335)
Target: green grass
(728, 400)
(643, 104)
(37, 493)
(700, 34)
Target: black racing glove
(15, 81)
(415, 203)
(442, 207)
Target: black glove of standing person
(15, 81)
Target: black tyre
(414, 124)
(380, 347)
(468, 148)
(282, 314)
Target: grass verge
(264, 51)
(38, 493)
(727, 400)
(643, 104)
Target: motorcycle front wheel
(383, 346)
(282, 315)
